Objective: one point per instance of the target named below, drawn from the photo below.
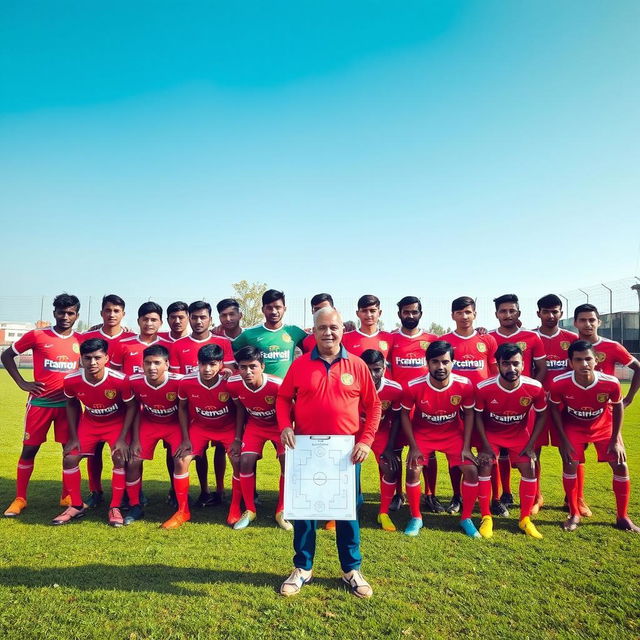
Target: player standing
(56, 353)
(178, 321)
(230, 316)
(319, 301)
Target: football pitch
(88, 580)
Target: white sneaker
(292, 585)
(359, 586)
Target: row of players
(404, 349)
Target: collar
(342, 354)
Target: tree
(249, 296)
(438, 329)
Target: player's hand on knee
(134, 449)
(71, 445)
(467, 454)
(415, 458)
(184, 449)
(391, 460)
(529, 453)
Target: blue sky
(428, 148)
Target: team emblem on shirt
(110, 393)
(603, 397)
(269, 399)
(346, 379)
(75, 347)
(223, 396)
(564, 345)
(383, 345)
(522, 345)
(525, 402)
(455, 400)
(286, 337)
(600, 356)
(385, 405)
(171, 396)
(481, 346)
(424, 344)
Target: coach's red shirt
(328, 397)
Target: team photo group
(489, 400)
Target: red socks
(569, 482)
(133, 491)
(236, 497)
(248, 488)
(580, 481)
(118, 483)
(387, 491)
(469, 497)
(528, 488)
(181, 487)
(72, 479)
(484, 495)
(23, 475)
(622, 489)
(413, 495)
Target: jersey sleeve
(115, 357)
(239, 342)
(308, 343)
(284, 399)
(537, 348)
(69, 387)
(621, 355)
(540, 400)
(182, 390)
(615, 396)
(125, 390)
(468, 396)
(297, 334)
(396, 402)
(492, 347)
(479, 400)
(555, 394)
(26, 342)
(407, 399)
(227, 352)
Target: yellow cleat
(385, 522)
(15, 508)
(66, 501)
(486, 527)
(176, 520)
(282, 523)
(529, 528)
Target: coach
(324, 393)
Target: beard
(409, 323)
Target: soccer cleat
(70, 514)
(292, 585)
(282, 523)
(65, 502)
(397, 502)
(206, 499)
(15, 508)
(498, 509)
(176, 520)
(571, 523)
(330, 525)
(115, 517)
(454, 505)
(507, 499)
(95, 498)
(245, 520)
(625, 524)
(135, 513)
(358, 585)
(529, 528)
(583, 508)
(233, 517)
(431, 504)
(486, 527)
(413, 527)
(385, 522)
(469, 528)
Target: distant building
(12, 331)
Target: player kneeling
(207, 415)
(442, 404)
(254, 394)
(104, 393)
(502, 415)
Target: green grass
(204, 580)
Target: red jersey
(166, 335)
(128, 354)
(259, 403)
(586, 409)
(184, 352)
(437, 411)
(157, 404)
(530, 344)
(112, 341)
(102, 401)
(555, 348)
(54, 356)
(308, 343)
(210, 407)
(390, 394)
(407, 355)
(508, 409)
(357, 342)
(609, 353)
(473, 355)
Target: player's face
(112, 314)
(464, 317)
(410, 316)
(369, 316)
(65, 318)
(149, 324)
(94, 362)
(377, 372)
(178, 321)
(583, 362)
(230, 318)
(155, 367)
(274, 312)
(587, 323)
(549, 317)
(328, 332)
(508, 314)
(320, 305)
(440, 367)
(200, 321)
(251, 371)
(511, 369)
(209, 370)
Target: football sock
(236, 496)
(72, 481)
(580, 481)
(504, 465)
(413, 495)
(23, 475)
(484, 495)
(248, 486)
(622, 489)
(118, 483)
(181, 487)
(469, 497)
(133, 491)
(387, 491)
(527, 496)
(569, 482)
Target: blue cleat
(469, 528)
(413, 527)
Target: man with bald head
(324, 393)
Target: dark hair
(585, 308)
(549, 301)
(66, 300)
(149, 307)
(272, 295)
(462, 303)
(579, 345)
(248, 354)
(507, 350)
(321, 297)
(112, 298)
(372, 356)
(226, 303)
(174, 307)
(407, 300)
(439, 348)
(199, 305)
(156, 350)
(210, 353)
(94, 344)
(368, 300)
(507, 297)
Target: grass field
(205, 580)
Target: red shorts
(579, 441)
(380, 442)
(509, 440)
(90, 433)
(451, 447)
(37, 421)
(255, 437)
(152, 432)
(201, 437)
